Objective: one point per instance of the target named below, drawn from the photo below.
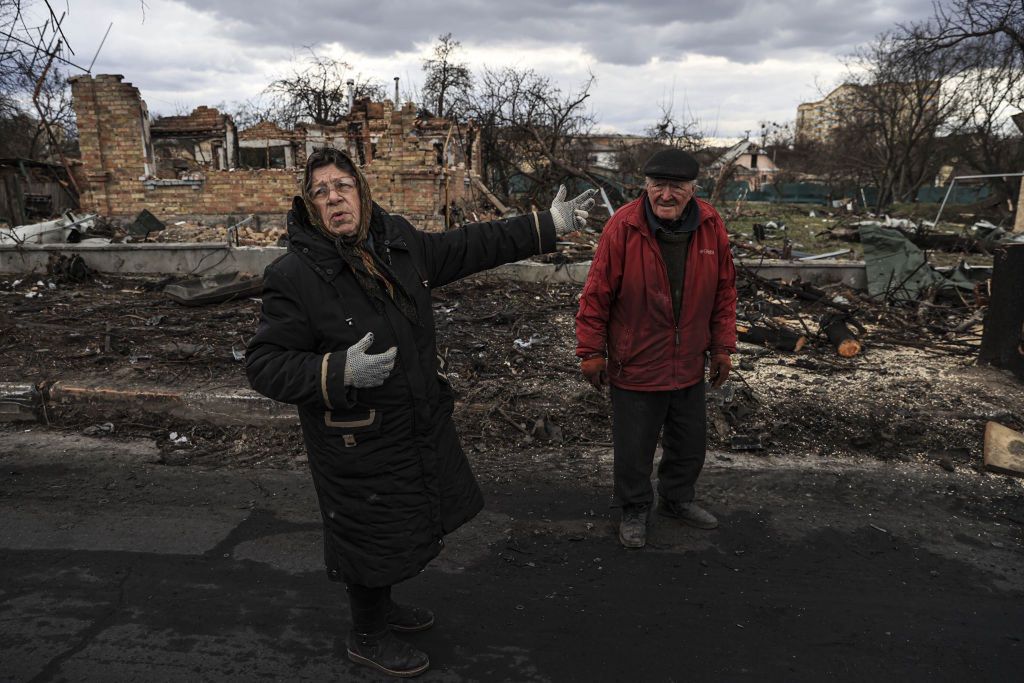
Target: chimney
(396, 93)
(351, 93)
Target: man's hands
(718, 369)
(571, 215)
(364, 370)
(595, 370)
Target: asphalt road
(114, 568)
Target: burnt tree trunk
(841, 336)
(1002, 342)
(782, 338)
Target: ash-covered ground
(914, 393)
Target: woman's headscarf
(353, 248)
(327, 156)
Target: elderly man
(659, 303)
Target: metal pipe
(942, 206)
(606, 200)
(990, 175)
(970, 177)
(89, 70)
(61, 392)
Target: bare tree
(986, 40)
(10, 10)
(36, 120)
(316, 91)
(960, 22)
(671, 129)
(530, 132)
(448, 82)
(888, 129)
(675, 130)
(777, 135)
(254, 110)
(983, 137)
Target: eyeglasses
(343, 186)
(672, 186)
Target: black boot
(409, 618)
(384, 652)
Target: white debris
(534, 339)
(56, 231)
(177, 439)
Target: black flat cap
(672, 163)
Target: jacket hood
(319, 250)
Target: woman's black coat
(390, 475)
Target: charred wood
(943, 241)
(781, 338)
(1002, 341)
(838, 332)
(802, 290)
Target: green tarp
(897, 269)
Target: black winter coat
(390, 475)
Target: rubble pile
(244, 236)
(911, 391)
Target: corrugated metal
(12, 208)
(23, 202)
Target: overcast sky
(730, 63)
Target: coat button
(305, 250)
(330, 271)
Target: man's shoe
(386, 653)
(408, 619)
(633, 527)
(688, 513)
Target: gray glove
(571, 215)
(363, 370)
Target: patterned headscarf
(329, 156)
(353, 248)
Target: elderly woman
(347, 334)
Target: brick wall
(404, 175)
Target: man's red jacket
(625, 309)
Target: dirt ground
(913, 394)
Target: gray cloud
(190, 52)
(740, 30)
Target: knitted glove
(718, 369)
(363, 369)
(571, 215)
(595, 370)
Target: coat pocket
(353, 426)
(621, 343)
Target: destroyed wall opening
(199, 166)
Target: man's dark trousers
(637, 419)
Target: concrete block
(18, 402)
(1004, 450)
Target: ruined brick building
(200, 167)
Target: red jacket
(626, 306)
